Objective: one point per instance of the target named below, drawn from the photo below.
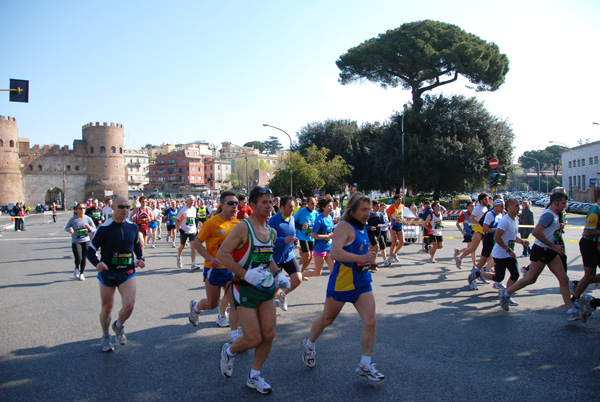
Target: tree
(256, 144)
(448, 146)
(272, 145)
(424, 55)
(550, 157)
(242, 176)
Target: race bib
(261, 256)
(511, 244)
(122, 260)
(81, 233)
(189, 221)
(362, 267)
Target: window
(570, 181)
(11, 144)
(569, 164)
(113, 150)
(591, 160)
(30, 167)
(595, 160)
(583, 162)
(76, 167)
(583, 182)
(193, 178)
(170, 170)
(578, 162)
(91, 150)
(68, 168)
(180, 170)
(1, 143)
(39, 167)
(120, 150)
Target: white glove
(253, 276)
(282, 281)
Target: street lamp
(291, 170)
(403, 165)
(538, 162)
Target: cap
(498, 202)
(190, 197)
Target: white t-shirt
(187, 219)
(511, 229)
(436, 224)
(549, 220)
(107, 212)
(478, 212)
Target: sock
(254, 373)
(234, 333)
(118, 324)
(365, 360)
(309, 344)
(595, 303)
(573, 298)
(105, 334)
(229, 352)
(196, 309)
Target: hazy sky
(182, 71)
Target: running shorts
(217, 276)
(114, 278)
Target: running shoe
(167, 239)
(473, 286)
(482, 281)
(226, 363)
(512, 303)
(173, 245)
(458, 261)
(158, 238)
(222, 321)
(387, 263)
(456, 252)
(504, 298)
(194, 266)
(572, 286)
(572, 314)
(76, 273)
(179, 264)
(106, 345)
(395, 258)
(524, 272)
(472, 276)
(152, 246)
(498, 285)
(81, 277)
(194, 317)
(432, 260)
(586, 308)
(308, 355)
(281, 296)
(259, 384)
(233, 338)
(121, 338)
(576, 304)
(369, 371)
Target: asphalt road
(437, 340)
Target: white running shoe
(369, 371)
(193, 316)
(395, 258)
(455, 252)
(120, 333)
(473, 286)
(512, 303)
(222, 321)
(194, 266)
(498, 285)
(173, 245)
(179, 264)
(82, 277)
(387, 263)
(106, 345)
(308, 355)
(226, 364)
(152, 246)
(282, 297)
(458, 261)
(259, 384)
(76, 273)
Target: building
(178, 169)
(216, 173)
(581, 170)
(160, 150)
(94, 167)
(138, 166)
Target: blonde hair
(353, 205)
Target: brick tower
(11, 179)
(105, 160)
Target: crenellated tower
(11, 178)
(105, 159)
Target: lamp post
(538, 162)
(291, 170)
(403, 165)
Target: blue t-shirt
(323, 225)
(304, 215)
(283, 252)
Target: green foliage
(243, 173)
(424, 55)
(550, 157)
(256, 144)
(272, 145)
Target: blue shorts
(349, 296)
(396, 226)
(153, 225)
(218, 276)
(114, 278)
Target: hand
(214, 262)
(101, 267)
(71, 231)
(282, 281)
(525, 243)
(87, 226)
(296, 242)
(369, 257)
(305, 226)
(559, 249)
(253, 276)
(140, 264)
(290, 239)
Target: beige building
(137, 163)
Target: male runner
(304, 221)
(350, 282)
(117, 240)
(107, 211)
(248, 253)
(170, 214)
(396, 215)
(546, 251)
(466, 230)
(185, 221)
(284, 224)
(95, 213)
(216, 277)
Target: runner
(374, 224)
(545, 252)
(80, 227)
(170, 214)
(350, 282)
(107, 211)
(95, 213)
(434, 222)
(154, 224)
(476, 215)
(216, 276)
(117, 241)
(322, 232)
(248, 253)
(201, 214)
(384, 235)
(396, 215)
(185, 220)
(141, 216)
(466, 230)
(244, 210)
(283, 253)
(489, 221)
(304, 221)
(503, 251)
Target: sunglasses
(232, 202)
(123, 206)
(265, 191)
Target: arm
(501, 244)
(460, 220)
(199, 247)
(69, 226)
(341, 236)
(235, 239)
(539, 235)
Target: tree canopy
(550, 157)
(272, 145)
(424, 55)
(256, 144)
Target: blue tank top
(348, 276)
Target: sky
(183, 71)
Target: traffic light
(500, 178)
(493, 180)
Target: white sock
(234, 333)
(309, 344)
(365, 360)
(229, 352)
(254, 373)
(118, 324)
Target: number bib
(190, 221)
(81, 233)
(261, 256)
(511, 244)
(122, 260)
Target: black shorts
(500, 267)
(183, 237)
(589, 252)
(488, 245)
(382, 239)
(290, 267)
(468, 238)
(114, 277)
(306, 246)
(171, 227)
(144, 233)
(542, 254)
(437, 239)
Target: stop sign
(494, 163)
